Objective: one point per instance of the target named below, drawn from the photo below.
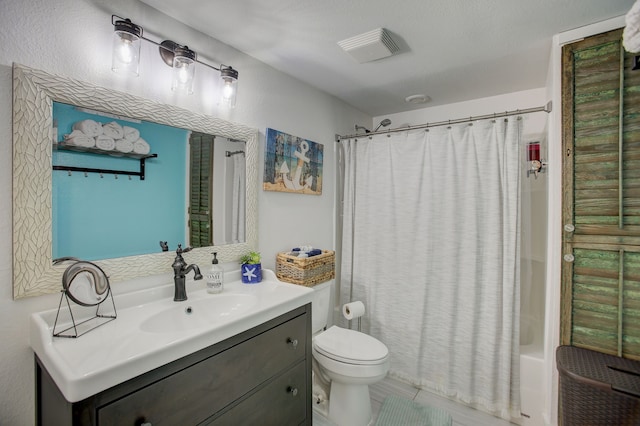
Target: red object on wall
(533, 151)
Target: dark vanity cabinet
(261, 376)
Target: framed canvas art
(292, 164)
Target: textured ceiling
(451, 50)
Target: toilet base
(349, 404)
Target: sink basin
(189, 315)
(152, 330)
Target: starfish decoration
(249, 273)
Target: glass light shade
(125, 57)
(229, 88)
(184, 70)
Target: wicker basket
(307, 271)
(597, 389)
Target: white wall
(73, 38)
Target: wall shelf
(115, 154)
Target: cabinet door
(194, 394)
(601, 190)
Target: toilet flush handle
(292, 342)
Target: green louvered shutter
(601, 197)
(200, 185)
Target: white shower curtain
(431, 246)
(238, 199)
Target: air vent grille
(370, 46)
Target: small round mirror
(85, 283)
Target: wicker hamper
(307, 271)
(597, 389)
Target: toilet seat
(350, 346)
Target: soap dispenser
(215, 276)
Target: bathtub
(531, 372)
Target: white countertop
(121, 349)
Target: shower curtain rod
(546, 108)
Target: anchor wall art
(292, 164)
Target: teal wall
(101, 218)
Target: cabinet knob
(292, 342)
(569, 227)
(569, 258)
(292, 390)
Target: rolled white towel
(113, 130)
(631, 33)
(105, 143)
(131, 134)
(141, 147)
(89, 127)
(78, 138)
(124, 145)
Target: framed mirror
(34, 92)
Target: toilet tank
(320, 306)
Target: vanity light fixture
(126, 47)
(126, 57)
(230, 89)
(183, 61)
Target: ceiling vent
(370, 46)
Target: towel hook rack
(85, 170)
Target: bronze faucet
(180, 269)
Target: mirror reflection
(34, 92)
(124, 187)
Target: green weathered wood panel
(604, 306)
(200, 174)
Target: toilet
(349, 360)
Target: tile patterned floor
(461, 415)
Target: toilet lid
(350, 346)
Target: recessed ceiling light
(417, 99)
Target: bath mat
(397, 411)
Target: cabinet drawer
(201, 390)
(281, 402)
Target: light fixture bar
(166, 45)
(126, 59)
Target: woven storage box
(307, 271)
(597, 389)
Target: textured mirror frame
(33, 94)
